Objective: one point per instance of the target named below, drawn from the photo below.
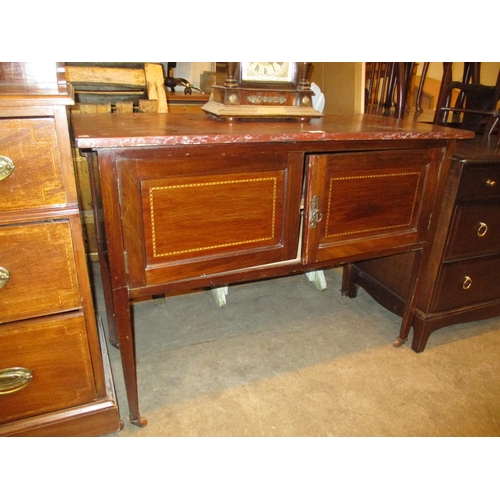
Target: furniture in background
(118, 87)
(386, 88)
(461, 278)
(188, 202)
(111, 88)
(472, 105)
(179, 102)
(55, 378)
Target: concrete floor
(284, 359)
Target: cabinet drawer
(38, 269)
(30, 166)
(55, 353)
(467, 282)
(475, 231)
(479, 182)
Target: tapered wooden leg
(108, 300)
(127, 353)
(408, 314)
(349, 289)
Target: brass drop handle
(482, 229)
(467, 282)
(4, 277)
(491, 183)
(6, 167)
(14, 379)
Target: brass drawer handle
(467, 282)
(491, 183)
(14, 379)
(482, 229)
(4, 277)
(6, 167)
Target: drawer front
(466, 283)
(44, 366)
(479, 182)
(475, 231)
(37, 271)
(30, 166)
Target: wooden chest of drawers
(461, 282)
(52, 377)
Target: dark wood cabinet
(52, 377)
(185, 202)
(460, 281)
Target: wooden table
(184, 202)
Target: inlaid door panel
(188, 217)
(360, 203)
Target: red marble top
(109, 130)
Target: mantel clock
(263, 90)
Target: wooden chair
(472, 105)
(105, 88)
(386, 88)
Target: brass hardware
(14, 379)
(482, 229)
(4, 277)
(6, 167)
(315, 215)
(467, 282)
(491, 183)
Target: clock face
(267, 72)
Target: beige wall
(342, 83)
(489, 71)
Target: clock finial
(304, 69)
(231, 72)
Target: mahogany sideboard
(185, 202)
(54, 379)
(460, 282)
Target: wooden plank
(124, 107)
(118, 76)
(148, 106)
(155, 84)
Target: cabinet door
(361, 203)
(187, 214)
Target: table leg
(411, 302)
(127, 352)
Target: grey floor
(285, 359)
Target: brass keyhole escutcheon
(482, 229)
(6, 167)
(467, 282)
(315, 214)
(491, 183)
